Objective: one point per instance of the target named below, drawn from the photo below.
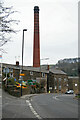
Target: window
(55, 79)
(60, 87)
(31, 73)
(43, 74)
(65, 79)
(11, 70)
(55, 88)
(11, 74)
(67, 85)
(75, 84)
(59, 79)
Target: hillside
(70, 66)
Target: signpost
(6, 70)
(22, 74)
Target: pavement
(13, 107)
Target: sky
(58, 31)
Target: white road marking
(0, 96)
(68, 95)
(32, 109)
(55, 97)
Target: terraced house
(55, 80)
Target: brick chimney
(36, 46)
(47, 67)
(17, 63)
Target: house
(55, 80)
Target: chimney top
(36, 9)
(17, 63)
(48, 67)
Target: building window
(11, 74)
(65, 79)
(59, 79)
(67, 85)
(11, 70)
(55, 87)
(59, 87)
(43, 74)
(31, 73)
(55, 79)
(75, 84)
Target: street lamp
(23, 47)
(22, 55)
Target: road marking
(68, 95)
(0, 96)
(32, 109)
(55, 97)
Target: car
(69, 92)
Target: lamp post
(22, 55)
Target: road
(55, 106)
(40, 106)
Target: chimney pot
(17, 63)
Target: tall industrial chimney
(36, 44)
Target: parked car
(69, 92)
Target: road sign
(22, 74)
(6, 70)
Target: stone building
(55, 80)
(31, 73)
(73, 83)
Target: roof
(73, 77)
(37, 69)
(55, 71)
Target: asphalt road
(39, 106)
(55, 106)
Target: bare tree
(6, 24)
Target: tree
(6, 24)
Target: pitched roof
(37, 69)
(55, 71)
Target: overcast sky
(58, 30)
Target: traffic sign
(22, 74)
(6, 70)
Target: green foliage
(70, 68)
(11, 81)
